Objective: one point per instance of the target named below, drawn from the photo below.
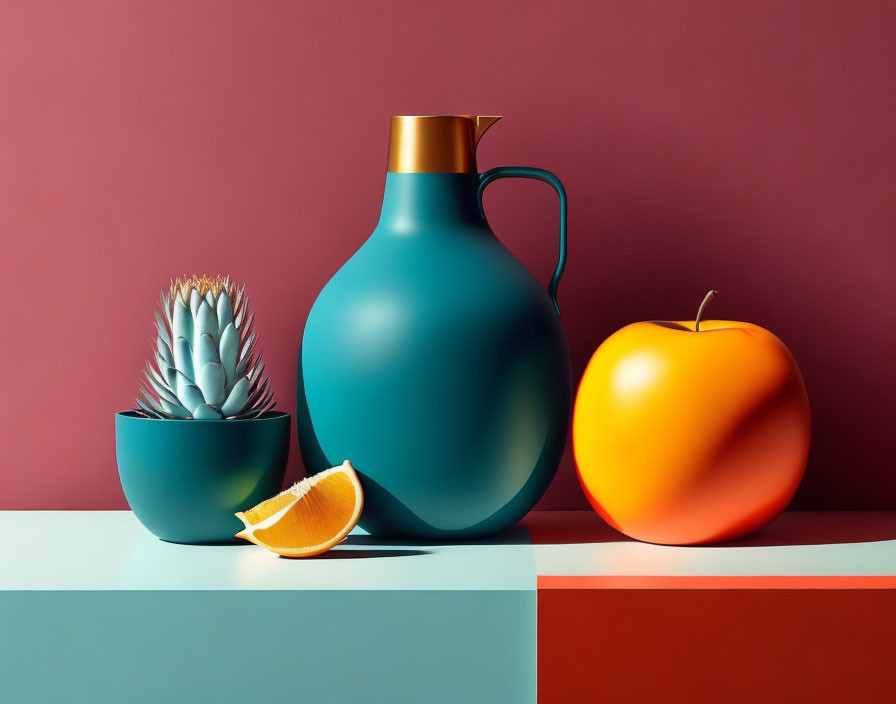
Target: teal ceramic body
(436, 362)
(185, 479)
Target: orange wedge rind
(310, 517)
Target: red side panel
(804, 639)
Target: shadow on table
(577, 527)
(570, 527)
(341, 554)
(823, 528)
(215, 544)
(791, 528)
(516, 535)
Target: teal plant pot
(184, 479)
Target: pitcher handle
(487, 177)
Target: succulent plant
(205, 366)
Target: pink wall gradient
(749, 147)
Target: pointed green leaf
(195, 300)
(267, 398)
(225, 312)
(183, 358)
(165, 352)
(188, 394)
(248, 347)
(206, 412)
(237, 398)
(242, 369)
(204, 352)
(174, 410)
(156, 374)
(147, 410)
(245, 327)
(153, 402)
(182, 324)
(206, 323)
(239, 304)
(258, 410)
(212, 381)
(163, 331)
(229, 348)
(255, 376)
(256, 393)
(162, 392)
(165, 305)
(240, 307)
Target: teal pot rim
(267, 415)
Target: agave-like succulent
(205, 362)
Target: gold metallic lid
(436, 143)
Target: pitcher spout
(480, 124)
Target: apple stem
(706, 299)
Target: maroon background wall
(745, 146)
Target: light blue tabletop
(810, 543)
(110, 550)
(96, 609)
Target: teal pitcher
(433, 359)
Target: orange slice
(308, 518)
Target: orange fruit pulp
(310, 517)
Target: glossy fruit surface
(688, 437)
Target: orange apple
(691, 432)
